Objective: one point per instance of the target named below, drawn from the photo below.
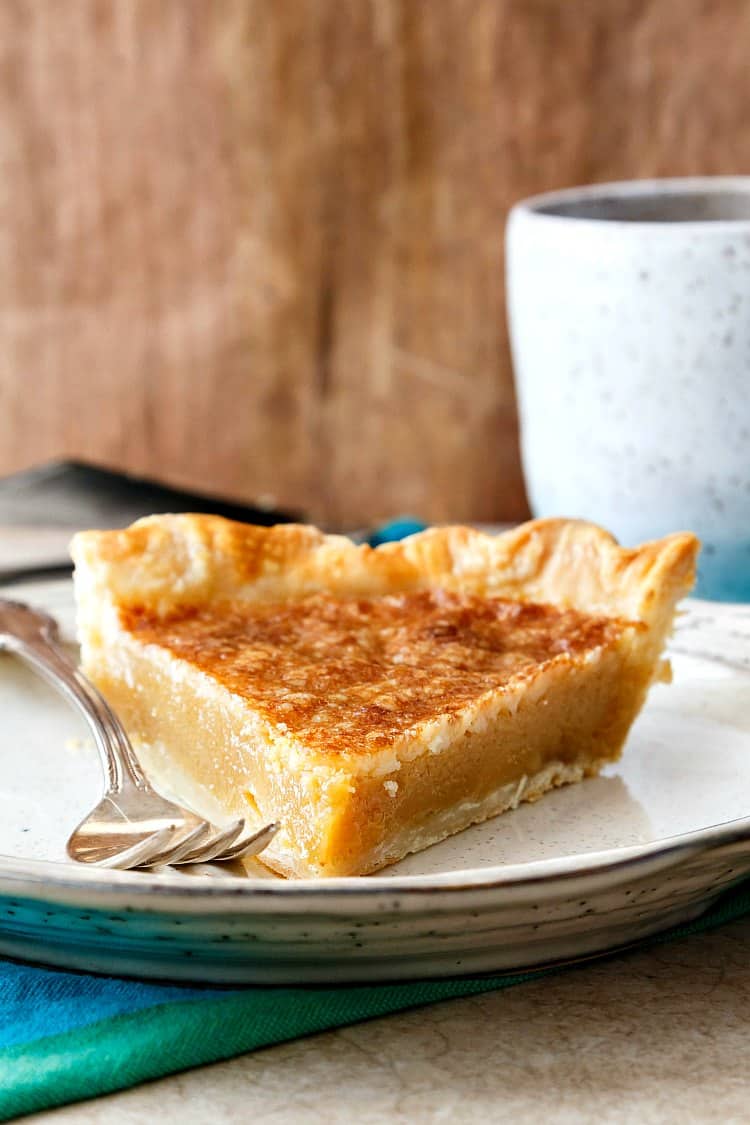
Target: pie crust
(373, 701)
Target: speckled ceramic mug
(629, 309)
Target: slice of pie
(372, 701)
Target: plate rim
(167, 890)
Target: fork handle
(37, 648)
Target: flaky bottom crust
(413, 838)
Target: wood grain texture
(256, 246)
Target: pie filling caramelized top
(356, 674)
(372, 702)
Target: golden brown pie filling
(356, 674)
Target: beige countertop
(657, 1036)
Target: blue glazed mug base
(724, 571)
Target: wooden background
(256, 245)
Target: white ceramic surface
(629, 309)
(586, 869)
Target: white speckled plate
(588, 868)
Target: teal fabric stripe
(395, 530)
(124, 1050)
(36, 1003)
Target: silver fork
(132, 826)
